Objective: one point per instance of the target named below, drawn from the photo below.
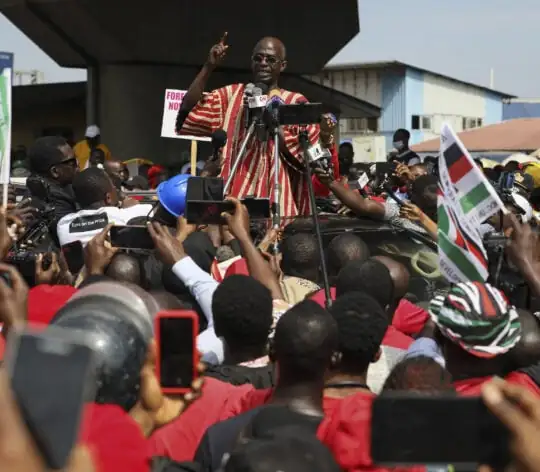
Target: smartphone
(420, 429)
(207, 212)
(52, 376)
(205, 188)
(131, 237)
(257, 207)
(177, 357)
(74, 255)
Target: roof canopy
(76, 33)
(521, 135)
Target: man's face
(64, 171)
(93, 142)
(267, 62)
(346, 154)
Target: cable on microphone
(219, 139)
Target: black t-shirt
(221, 438)
(259, 377)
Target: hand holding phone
(238, 220)
(131, 237)
(74, 256)
(52, 376)
(177, 357)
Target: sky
(464, 39)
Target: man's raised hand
(218, 51)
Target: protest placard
(173, 100)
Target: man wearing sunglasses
(201, 114)
(53, 166)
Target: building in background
(521, 108)
(409, 97)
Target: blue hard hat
(172, 194)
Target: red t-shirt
(409, 318)
(473, 387)
(115, 440)
(179, 440)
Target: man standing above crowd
(202, 114)
(91, 142)
(401, 144)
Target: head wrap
(477, 317)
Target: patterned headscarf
(478, 318)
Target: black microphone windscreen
(219, 138)
(263, 87)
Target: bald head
(399, 273)
(125, 268)
(269, 42)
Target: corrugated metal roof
(521, 135)
(398, 64)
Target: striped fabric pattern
(477, 317)
(223, 109)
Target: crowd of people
(285, 378)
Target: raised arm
(196, 89)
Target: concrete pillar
(92, 96)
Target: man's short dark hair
(300, 256)
(402, 134)
(292, 450)
(45, 152)
(90, 186)
(371, 277)
(420, 374)
(346, 144)
(344, 249)
(242, 309)
(306, 337)
(362, 324)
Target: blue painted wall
(494, 109)
(393, 104)
(414, 84)
(520, 110)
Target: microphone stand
(276, 207)
(240, 156)
(304, 142)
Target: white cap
(92, 131)
(521, 202)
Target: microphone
(257, 105)
(219, 139)
(248, 92)
(319, 157)
(272, 108)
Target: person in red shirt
(407, 318)
(477, 328)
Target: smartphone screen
(257, 207)
(131, 237)
(74, 256)
(52, 377)
(204, 212)
(176, 334)
(418, 429)
(205, 189)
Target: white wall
(445, 97)
(360, 83)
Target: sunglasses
(72, 161)
(272, 60)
